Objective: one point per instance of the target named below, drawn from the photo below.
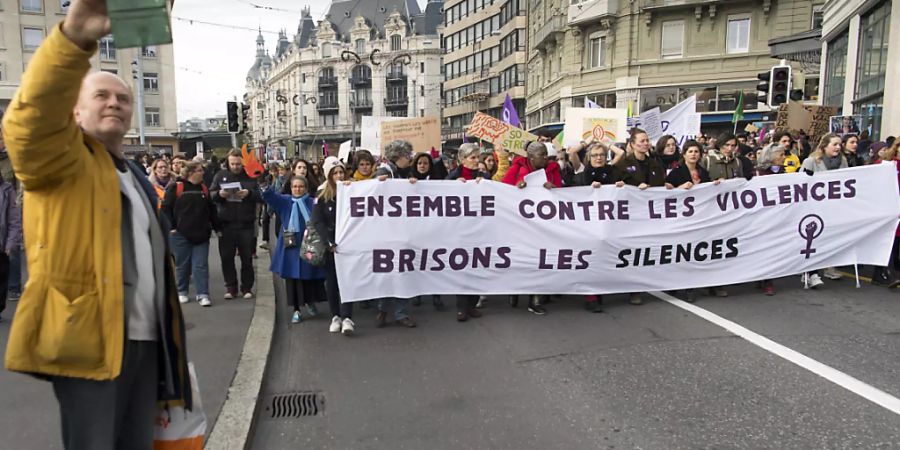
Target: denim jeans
(401, 307)
(16, 279)
(191, 259)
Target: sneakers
(312, 310)
(481, 301)
(230, 294)
(13, 296)
(248, 295)
(718, 292)
(831, 273)
(335, 325)
(535, 307)
(204, 301)
(183, 299)
(635, 299)
(347, 327)
(296, 317)
(811, 281)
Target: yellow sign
(423, 133)
(500, 133)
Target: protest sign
(818, 124)
(424, 133)
(498, 239)
(651, 122)
(603, 124)
(680, 121)
(370, 136)
(844, 125)
(500, 133)
(344, 151)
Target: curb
(232, 428)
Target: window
(738, 38)
(107, 47)
(148, 51)
(34, 6)
(328, 120)
(151, 82)
(835, 71)
(112, 71)
(873, 51)
(326, 50)
(672, 39)
(32, 38)
(395, 42)
(818, 15)
(360, 46)
(597, 52)
(151, 117)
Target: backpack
(313, 247)
(179, 189)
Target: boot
(881, 276)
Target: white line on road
(831, 374)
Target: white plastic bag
(179, 429)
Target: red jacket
(521, 167)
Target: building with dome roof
(373, 58)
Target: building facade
(654, 53)
(484, 60)
(25, 23)
(861, 55)
(378, 59)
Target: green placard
(139, 23)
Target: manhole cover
(295, 404)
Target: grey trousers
(111, 415)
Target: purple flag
(465, 138)
(510, 115)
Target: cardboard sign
(500, 133)
(344, 152)
(603, 124)
(819, 119)
(371, 132)
(423, 133)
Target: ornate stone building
(380, 58)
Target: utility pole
(137, 70)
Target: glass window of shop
(664, 98)
(872, 64)
(706, 96)
(835, 71)
(729, 95)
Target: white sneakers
(831, 273)
(347, 327)
(228, 295)
(812, 282)
(248, 295)
(183, 299)
(335, 325)
(204, 301)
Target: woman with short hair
(365, 166)
(161, 177)
(537, 159)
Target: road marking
(831, 374)
(852, 276)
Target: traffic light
(234, 122)
(781, 85)
(797, 95)
(245, 116)
(765, 79)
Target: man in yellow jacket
(100, 316)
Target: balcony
(396, 102)
(650, 5)
(547, 33)
(395, 75)
(327, 82)
(361, 81)
(360, 103)
(592, 11)
(327, 104)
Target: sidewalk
(215, 338)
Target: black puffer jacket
(240, 214)
(193, 214)
(324, 219)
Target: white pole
(140, 87)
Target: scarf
(360, 177)
(467, 173)
(832, 163)
(298, 208)
(421, 176)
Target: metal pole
(140, 85)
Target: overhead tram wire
(224, 25)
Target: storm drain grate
(296, 404)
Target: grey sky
(211, 62)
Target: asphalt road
(651, 377)
(215, 337)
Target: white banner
(370, 135)
(681, 121)
(397, 239)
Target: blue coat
(286, 262)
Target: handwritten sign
(817, 126)
(423, 133)
(500, 133)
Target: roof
(343, 14)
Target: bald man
(100, 317)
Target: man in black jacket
(189, 207)
(236, 196)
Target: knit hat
(330, 163)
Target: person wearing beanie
(324, 220)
